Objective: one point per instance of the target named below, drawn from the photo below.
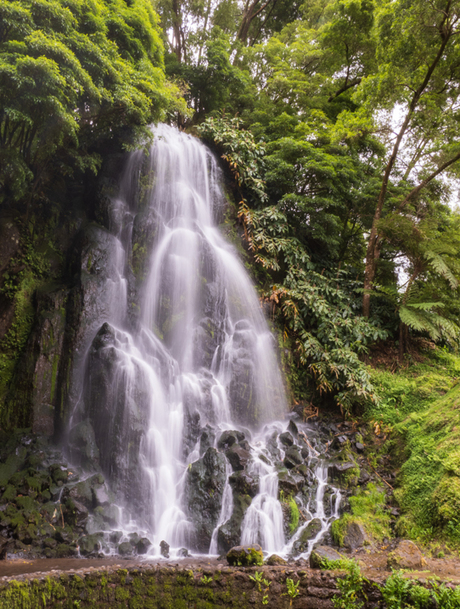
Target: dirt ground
(373, 565)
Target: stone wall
(168, 587)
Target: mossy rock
(245, 556)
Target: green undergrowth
(398, 592)
(419, 413)
(367, 508)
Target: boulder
(183, 553)
(125, 549)
(309, 532)
(355, 536)
(245, 556)
(204, 488)
(286, 439)
(293, 457)
(238, 457)
(290, 482)
(275, 561)
(321, 553)
(164, 549)
(90, 544)
(406, 555)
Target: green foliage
(292, 587)
(240, 151)
(399, 592)
(351, 586)
(419, 406)
(294, 515)
(367, 508)
(71, 75)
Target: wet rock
(355, 536)
(310, 532)
(238, 457)
(229, 534)
(82, 441)
(183, 553)
(245, 556)
(49, 542)
(134, 538)
(229, 438)
(292, 428)
(76, 514)
(290, 482)
(90, 544)
(321, 553)
(359, 447)
(164, 549)
(123, 400)
(125, 549)
(275, 561)
(286, 439)
(243, 484)
(115, 536)
(293, 457)
(207, 439)
(3, 547)
(406, 556)
(204, 487)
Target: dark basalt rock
(238, 457)
(243, 484)
(228, 438)
(164, 549)
(293, 457)
(143, 545)
(90, 545)
(204, 489)
(229, 534)
(290, 482)
(125, 549)
(207, 439)
(286, 439)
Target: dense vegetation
(338, 122)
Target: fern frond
(440, 266)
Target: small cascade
(181, 387)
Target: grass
(368, 510)
(420, 411)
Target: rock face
(406, 556)
(245, 556)
(204, 489)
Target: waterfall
(183, 352)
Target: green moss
(368, 510)
(294, 515)
(419, 412)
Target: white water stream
(198, 355)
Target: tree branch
(427, 180)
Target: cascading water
(183, 368)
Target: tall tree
(417, 83)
